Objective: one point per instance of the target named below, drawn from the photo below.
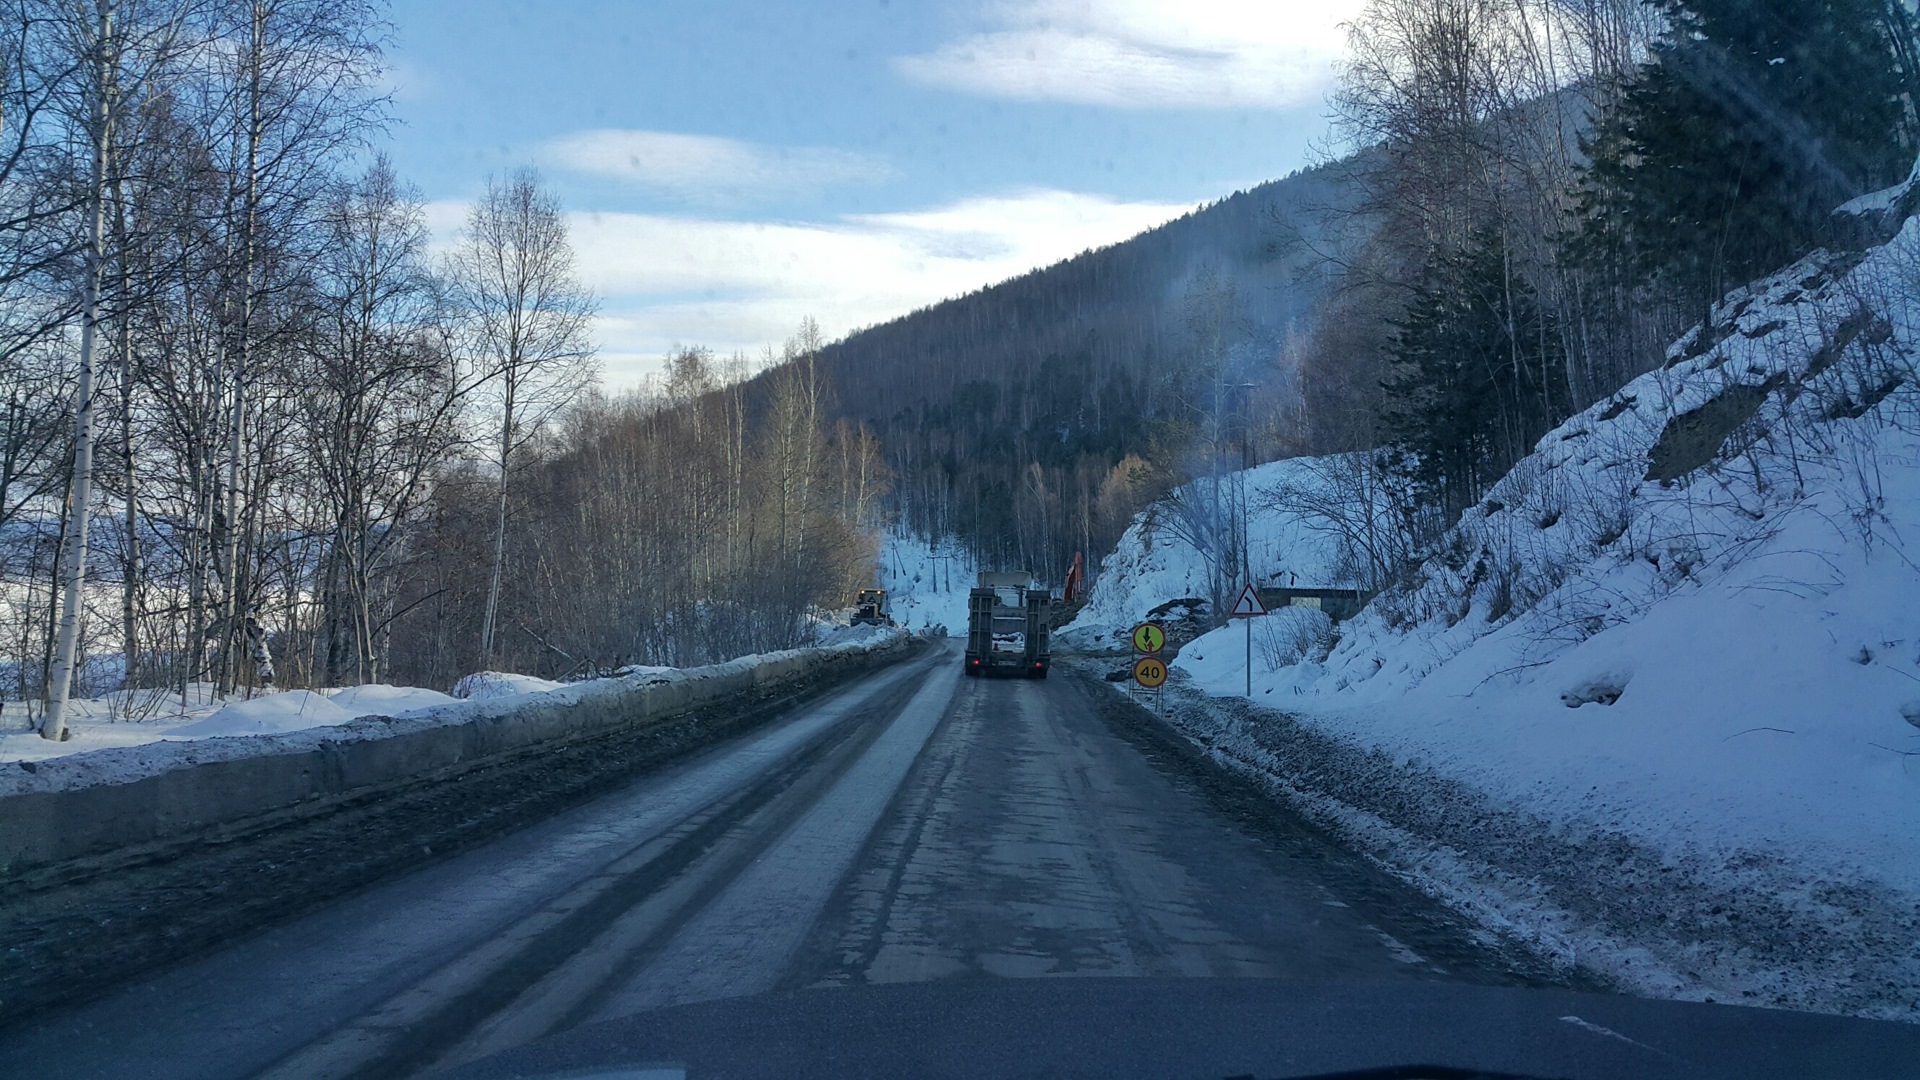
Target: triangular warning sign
(1248, 605)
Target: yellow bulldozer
(871, 609)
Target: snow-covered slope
(1152, 564)
(1696, 607)
(1690, 620)
(926, 582)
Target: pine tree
(1748, 125)
(1476, 375)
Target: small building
(1339, 604)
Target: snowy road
(916, 826)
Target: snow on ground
(121, 737)
(1152, 565)
(1654, 702)
(140, 717)
(1728, 658)
(852, 635)
(292, 710)
(487, 685)
(378, 699)
(926, 583)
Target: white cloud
(709, 169)
(741, 285)
(1146, 53)
(404, 82)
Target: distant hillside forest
(1022, 418)
(1551, 195)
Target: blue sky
(731, 166)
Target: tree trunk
(55, 725)
(234, 611)
(499, 534)
(132, 571)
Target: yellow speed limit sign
(1148, 638)
(1149, 672)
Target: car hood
(982, 1029)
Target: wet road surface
(917, 826)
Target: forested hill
(1120, 306)
(1004, 412)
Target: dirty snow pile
(1154, 564)
(1653, 702)
(866, 633)
(926, 582)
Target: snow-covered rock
(1874, 217)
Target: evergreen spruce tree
(1476, 378)
(1751, 121)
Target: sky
(732, 166)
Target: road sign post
(1148, 639)
(1248, 607)
(1150, 672)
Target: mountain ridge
(1005, 412)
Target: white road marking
(1588, 1025)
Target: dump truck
(1007, 632)
(870, 609)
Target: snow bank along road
(914, 826)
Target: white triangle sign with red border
(1248, 605)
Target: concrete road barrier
(103, 802)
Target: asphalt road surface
(915, 826)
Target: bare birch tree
(299, 95)
(527, 316)
(379, 413)
(124, 55)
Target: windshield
(521, 523)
